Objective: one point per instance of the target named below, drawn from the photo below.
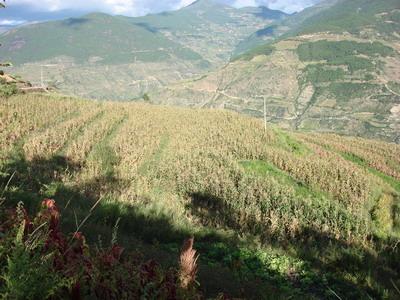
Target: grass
(262, 205)
(265, 169)
(290, 143)
(395, 184)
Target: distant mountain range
(332, 67)
(103, 56)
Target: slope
(344, 80)
(98, 37)
(262, 205)
(102, 56)
(280, 28)
(210, 28)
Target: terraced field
(275, 208)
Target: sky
(20, 11)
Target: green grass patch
(265, 169)
(156, 156)
(104, 153)
(289, 143)
(394, 183)
(386, 211)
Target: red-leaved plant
(76, 271)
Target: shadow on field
(34, 180)
(339, 267)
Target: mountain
(210, 28)
(336, 70)
(279, 28)
(118, 57)
(271, 211)
(92, 38)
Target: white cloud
(289, 6)
(142, 7)
(8, 22)
(243, 3)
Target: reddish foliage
(50, 213)
(102, 274)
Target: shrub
(7, 89)
(38, 261)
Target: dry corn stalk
(188, 264)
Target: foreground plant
(37, 261)
(188, 264)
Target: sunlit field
(292, 214)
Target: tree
(146, 97)
(2, 3)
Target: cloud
(143, 7)
(7, 22)
(289, 6)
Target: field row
(188, 165)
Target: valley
(337, 80)
(317, 70)
(137, 55)
(344, 94)
(208, 151)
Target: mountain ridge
(168, 47)
(343, 81)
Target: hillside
(274, 213)
(210, 28)
(280, 28)
(103, 56)
(337, 71)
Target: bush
(37, 261)
(7, 89)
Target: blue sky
(32, 10)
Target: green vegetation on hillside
(262, 205)
(342, 91)
(376, 18)
(7, 89)
(260, 50)
(280, 28)
(318, 73)
(106, 39)
(341, 71)
(343, 53)
(355, 16)
(116, 57)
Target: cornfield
(186, 164)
